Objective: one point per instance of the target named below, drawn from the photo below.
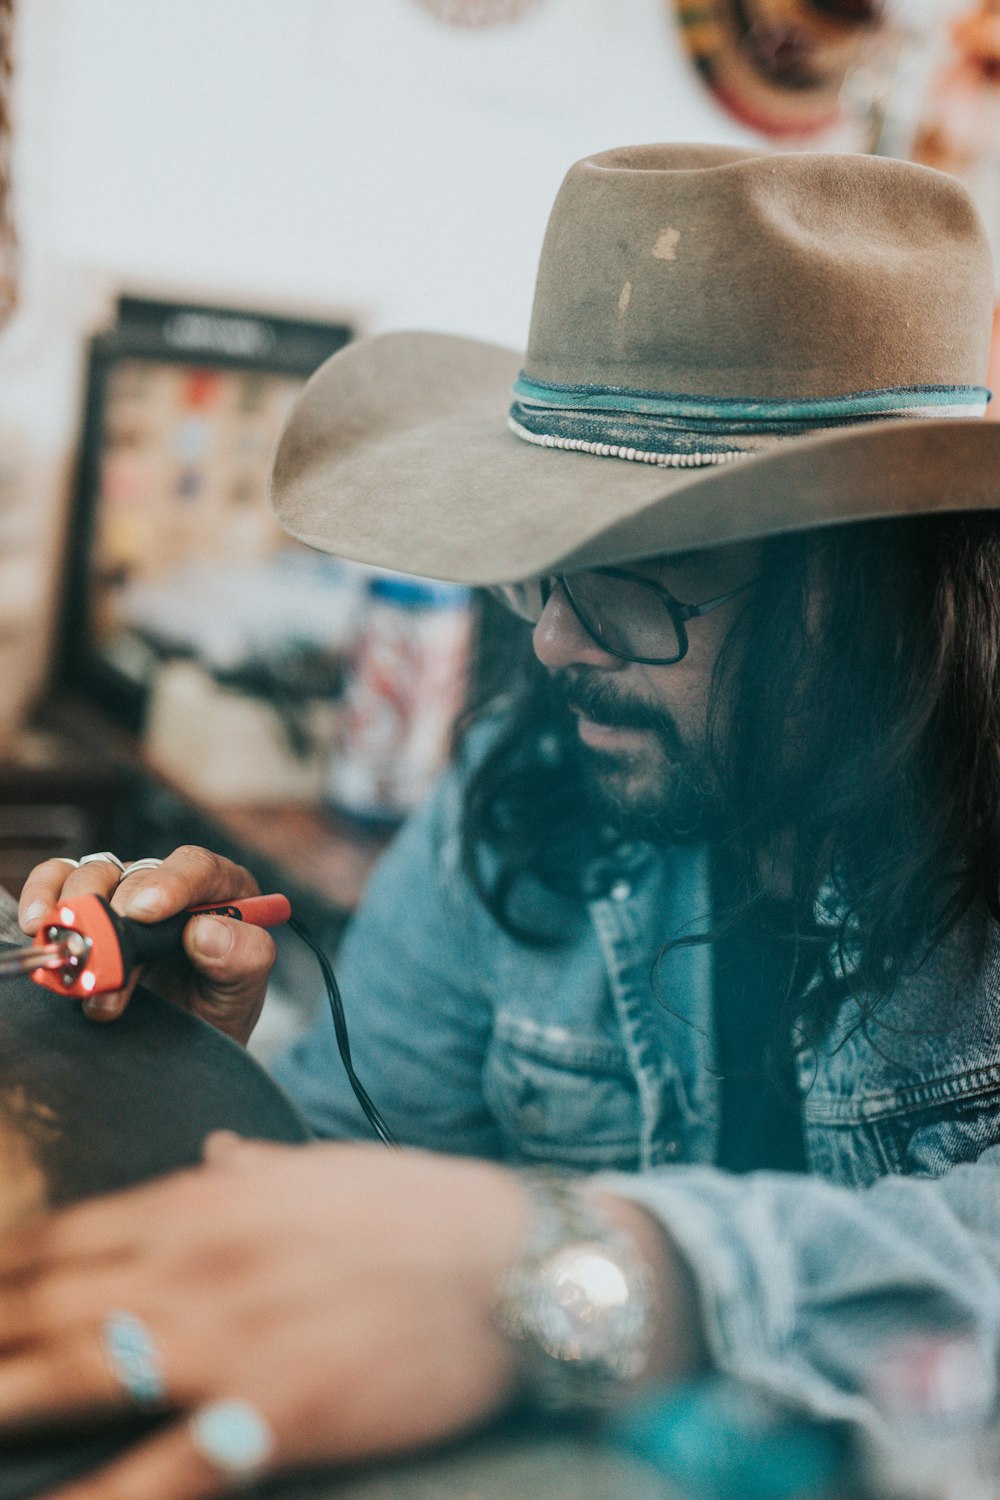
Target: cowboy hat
(724, 345)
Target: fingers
(226, 1149)
(58, 1302)
(166, 1467)
(57, 880)
(72, 1379)
(220, 1146)
(49, 882)
(233, 961)
(104, 1229)
(190, 876)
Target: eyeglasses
(627, 615)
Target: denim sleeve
(807, 1288)
(418, 1023)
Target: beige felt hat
(724, 345)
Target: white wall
(354, 153)
(344, 156)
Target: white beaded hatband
(617, 450)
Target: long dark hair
(874, 652)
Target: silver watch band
(578, 1302)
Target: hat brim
(397, 454)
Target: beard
(664, 790)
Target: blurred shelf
(75, 780)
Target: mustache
(597, 700)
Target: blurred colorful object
(778, 65)
(959, 130)
(722, 1439)
(8, 236)
(474, 13)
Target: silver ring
(233, 1437)
(141, 864)
(105, 857)
(133, 1358)
(64, 859)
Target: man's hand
(223, 969)
(346, 1292)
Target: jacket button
(620, 891)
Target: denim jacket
(592, 1055)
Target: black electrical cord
(371, 1114)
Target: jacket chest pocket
(562, 1097)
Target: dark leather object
(131, 1099)
(128, 1101)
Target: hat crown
(769, 342)
(709, 271)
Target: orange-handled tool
(84, 948)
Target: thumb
(232, 961)
(224, 1148)
(210, 938)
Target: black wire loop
(371, 1114)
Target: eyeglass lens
(624, 614)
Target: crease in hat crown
(697, 305)
(811, 315)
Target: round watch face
(587, 1309)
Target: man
(712, 901)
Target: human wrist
(596, 1303)
(678, 1348)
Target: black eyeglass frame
(679, 612)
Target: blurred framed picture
(183, 404)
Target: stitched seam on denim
(607, 924)
(976, 1083)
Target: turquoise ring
(134, 1359)
(233, 1437)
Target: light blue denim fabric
(592, 1056)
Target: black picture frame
(202, 337)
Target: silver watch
(578, 1302)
